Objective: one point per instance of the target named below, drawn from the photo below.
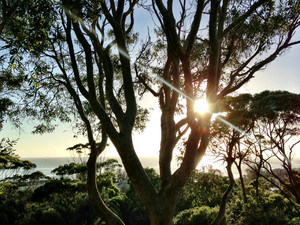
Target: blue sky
(282, 74)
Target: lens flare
(201, 106)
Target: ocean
(46, 165)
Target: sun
(201, 106)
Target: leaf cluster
(20, 34)
(9, 160)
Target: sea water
(46, 165)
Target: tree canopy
(80, 63)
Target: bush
(197, 216)
(267, 209)
(202, 189)
(295, 221)
(50, 216)
(12, 202)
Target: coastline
(47, 164)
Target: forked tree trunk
(163, 214)
(161, 219)
(95, 198)
(226, 195)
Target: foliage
(27, 181)
(270, 208)
(272, 105)
(294, 221)
(21, 22)
(65, 202)
(80, 169)
(17, 35)
(107, 187)
(197, 216)
(58, 201)
(108, 165)
(5, 103)
(204, 188)
(80, 64)
(12, 203)
(64, 187)
(132, 210)
(71, 169)
(9, 161)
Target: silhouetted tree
(84, 56)
(10, 162)
(277, 119)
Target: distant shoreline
(47, 164)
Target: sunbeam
(200, 106)
(217, 117)
(174, 88)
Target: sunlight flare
(201, 106)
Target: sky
(281, 74)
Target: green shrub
(197, 216)
(202, 188)
(295, 221)
(267, 209)
(50, 216)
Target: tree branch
(243, 17)
(189, 43)
(82, 89)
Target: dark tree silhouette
(85, 57)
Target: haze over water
(47, 164)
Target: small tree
(226, 141)
(277, 122)
(203, 188)
(10, 163)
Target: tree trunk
(95, 198)
(257, 184)
(225, 196)
(242, 184)
(163, 214)
(161, 219)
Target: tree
(277, 118)
(272, 118)
(226, 141)
(203, 188)
(17, 18)
(271, 208)
(85, 56)
(10, 163)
